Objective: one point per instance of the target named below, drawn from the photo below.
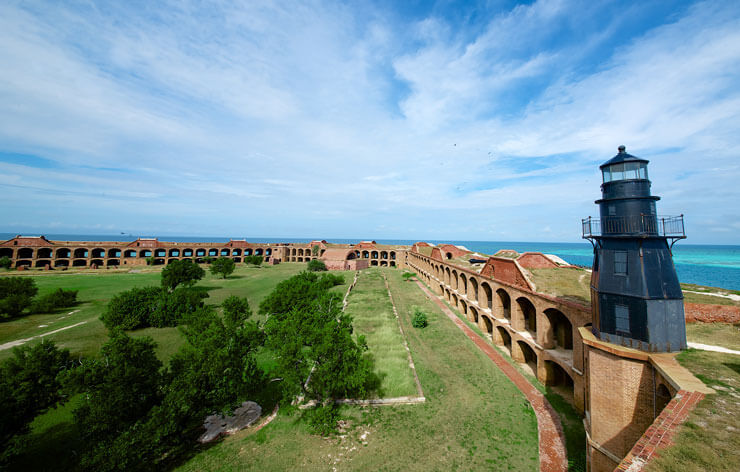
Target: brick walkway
(553, 456)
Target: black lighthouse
(636, 299)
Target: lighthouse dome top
(624, 166)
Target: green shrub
(16, 294)
(60, 298)
(223, 266)
(408, 276)
(316, 265)
(323, 419)
(183, 272)
(420, 319)
(254, 260)
(5, 262)
(151, 306)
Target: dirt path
(19, 342)
(709, 347)
(553, 456)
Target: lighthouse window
(620, 262)
(622, 319)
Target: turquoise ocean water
(716, 266)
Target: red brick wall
(535, 260)
(711, 313)
(504, 270)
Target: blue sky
(387, 120)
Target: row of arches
(98, 257)
(540, 340)
(387, 255)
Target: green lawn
(718, 334)
(373, 316)
(709, 440)
(474, 417)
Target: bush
(420, 319)
(16, 294)
(254, 260)
(151, 306)
(5, 262)
(181, 273)
(223, 266)
(316, 265)
(408, 276)
(323, 418)
(51, 301)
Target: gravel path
(709, 347)
(553, 455)
(19, 342)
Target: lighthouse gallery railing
(649, 225)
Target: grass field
(474, 417)
(718, 334)
(373, 317)
(709, 440)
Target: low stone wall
(711, 313)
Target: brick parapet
(660, 434)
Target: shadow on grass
(575, 434)
(733, 366)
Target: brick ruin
(548, 336)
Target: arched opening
(357, 254)
(98, 253)
(25, 263)
(374, 255)
(448, 255)
(145, 253)
(393, 263)
(454, 300)
(268, 252)
(373, 263)
(383, 263)
(473, 295)
(258, 251)
(187, 253)
(560, 334)
(64, 253)
(448, 277)
(300, 259)
(662, 397)
(463, 284)
(170, 261)
(473, 314)
(79, 263)
(115, 252)
(158, 261)
(365, 255)
(25, 253)
(248, 252)
(61, 263)
(44, 253)
(200, 253)
(43, 263)
(113, 262)
(300, 252)
(487, 292)
(236, 252)
(174, 253)
(95, 263)
(160, 253)
(237, 259)
(129, 253)
(487, 325)
(463, 307)
(505, 338)
(393, 256)
(80, 252)
(384, 254)
(503, 304)
(224, 252)
(455, 281)
(529, 357)
(8, 252)
(188, 259)
(559, 380)
(212, 252)
(528, 315)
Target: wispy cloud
(323, 118)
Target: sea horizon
(714, 265)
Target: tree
(149, 260)
(16, 294)
(183, 272)
(5, 262)
(236, 310)
(308, 332)
(315, 250)
(59, 298)
(118, 390)
(408, 276)
(254, 260)
(315, 265)
(152, 306)
(28, 385)
(223, 266)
